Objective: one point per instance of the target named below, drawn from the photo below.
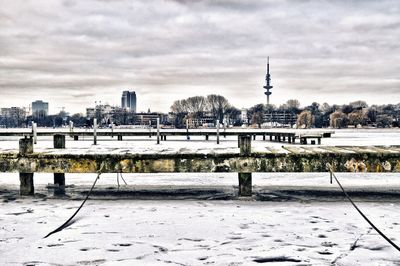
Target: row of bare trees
(216, 106)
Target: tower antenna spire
(268, 86)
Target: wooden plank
(189, 162)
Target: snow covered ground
(162, 232)
(294, 219)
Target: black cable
(123, 179)
(64, 225)
(362, 214)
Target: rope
(359, 211)
(67, 223)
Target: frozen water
(116, 231)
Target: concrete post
(158, 130)
(94, 131)
(59, 141)
(34, 131)
(217, 131)
(59, 183)
(25, 146)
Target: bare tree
(217, 105)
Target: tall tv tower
(268, 82)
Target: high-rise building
(40, 109)
(128, 100)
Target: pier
(276, 135)
(243, 160)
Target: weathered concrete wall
(154, 163)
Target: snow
(131, 226)
(164, 232)
(197, 144)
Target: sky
(75, 53)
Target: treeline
(316, 115)
(356, 113)
(214, 106)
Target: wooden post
(76, 137)
(71, 126)
(206, 136)
(59, 141)
(245, 184)
(95, 131)
(59, 183)
(217, 131)
(149, 128)
(112, 130)
(290, 139)
(26, 186)
(284, 138)
(263, 136)
(119, 137)
(224, 127)
(25, 146)
(254, 137)
(245, 145)
(158, 130)
(270, 137)
(34, 131)
(319, 141)
(26, 179)
(187, 129)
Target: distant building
(103, 113)
(206, 120)
(12, 117)
(40, 109)
(151, 118)
(128, 100)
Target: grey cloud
(86, 50)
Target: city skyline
(72, 53)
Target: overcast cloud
(73, 53)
